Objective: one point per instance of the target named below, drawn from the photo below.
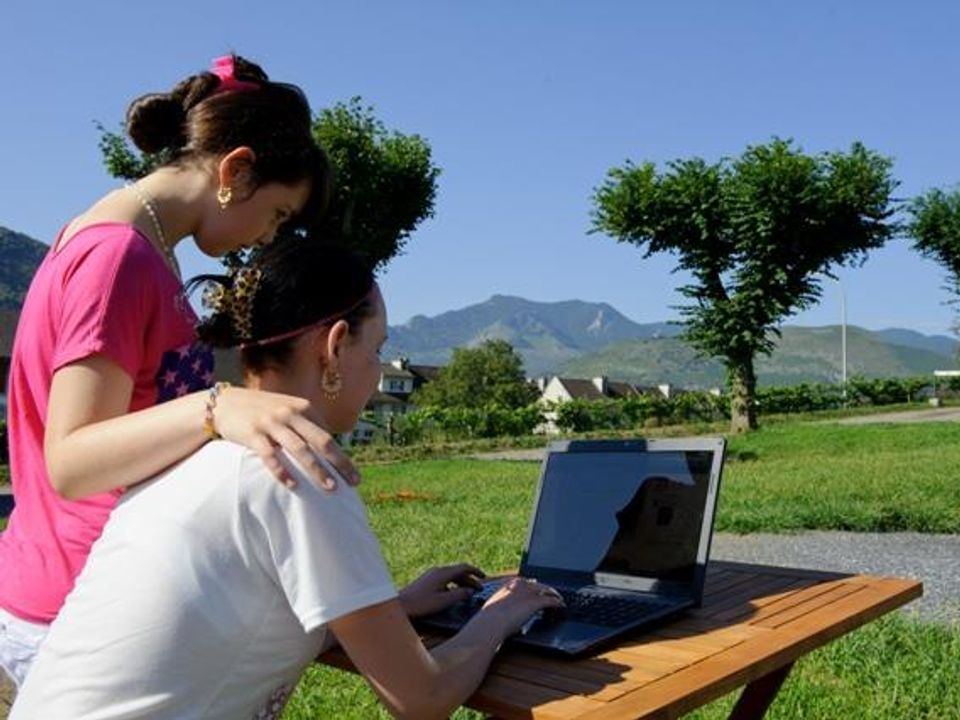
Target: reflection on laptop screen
(626, 513)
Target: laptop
(622, 529)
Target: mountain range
(575, 338)
(582, 339)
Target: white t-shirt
(206, 596)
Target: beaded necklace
(148, 205)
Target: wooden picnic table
(755, 622)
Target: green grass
(892, 668)
(444, 511)
(842, 477)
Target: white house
(398, 380)
(560, 390)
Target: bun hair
(248, 71)
(155, 122)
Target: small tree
(490, 374)
(385, 183)
(935, 228)
(755, 233)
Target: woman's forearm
(126, 449)
(464, 659)
(412, 681)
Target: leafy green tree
(385, 183)
(489, 374)
(935, 228)
(755, 233)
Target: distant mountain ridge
(804, 354)
(940, 344)
(583, 339)
(546, 334)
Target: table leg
(757, 695)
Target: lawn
(786, 477)
(878, 478)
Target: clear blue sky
(526, 106)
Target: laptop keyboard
(581, 606)
(605, 610)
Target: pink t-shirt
(106, 292)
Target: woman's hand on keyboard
(439, 588)
(519, 599)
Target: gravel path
(933, 559)
(950, 414)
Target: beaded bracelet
(209, 423)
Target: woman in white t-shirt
(211, 589)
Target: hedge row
(440, 424)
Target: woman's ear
(336, 337)
(236, 172)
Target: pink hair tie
(223, 68)
(329, 320)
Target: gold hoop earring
(224, 196)
(331, 383)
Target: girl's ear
(236, 171)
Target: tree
(490, 374)
(935, 228)
(755, 233)
(385, 183)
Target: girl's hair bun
(155, 122)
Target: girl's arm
(414, 682)
(93, 444)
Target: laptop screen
(622, 513)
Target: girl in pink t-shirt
(107, 385)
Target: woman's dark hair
(198, 119)
(302, 282)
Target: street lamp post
(843, 340)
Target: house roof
(382, 398)
(580, 389)
(618, 389)
(392, 371)
(426, 373)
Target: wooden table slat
(762, 591)
(753, 610)
(604, 688)
(725, 584)
(802, 608)
(502, 696)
